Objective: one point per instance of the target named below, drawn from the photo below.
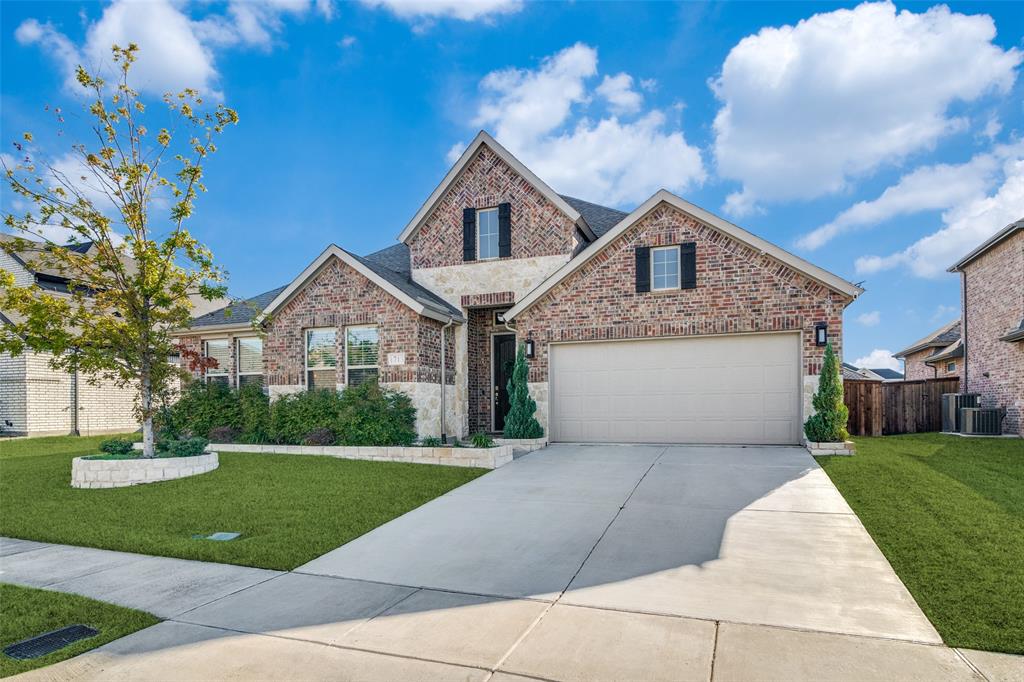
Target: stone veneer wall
(738, 290)
(539, 228)
(994, 305)
(119, 473)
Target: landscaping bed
(288, 509)
(26, 612)
(948, 513)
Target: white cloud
(539, 115)
(176, 51)
(347, 42)
(619, 92)
(992, 128)
(870, 319)
(466, 10)
(928, 188)
(944, 313)
(965, 227)
(806, 108)
(879, 358)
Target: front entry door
(503, 358)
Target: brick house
(939, 355)
(665, 324)
(992, 327)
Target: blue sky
(879, 141)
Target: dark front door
(503, 359)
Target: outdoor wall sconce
(820, 334)
(530, 348)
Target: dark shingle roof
(394, 257)
(941, 337)
(403, 280)
(886, 373)
(600, 218)
(241, 312)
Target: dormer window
(487, 233)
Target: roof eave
(982, 248)
(217, 328)
(455, 171)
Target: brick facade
(994, 305)
(915, 369)
(339, 296)
(539, 228)
(738, 290)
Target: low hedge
(360, 415)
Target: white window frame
(951, 366)
(497, 234)
(221, 371)
(238, 359)
(374, 366)
(305, 353)
(679, 268)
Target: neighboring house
(936, 356)
(992, 296)
(887, 374)
(37, 400)
(866, 374)
(666, 324)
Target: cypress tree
(828, 424)
(520, 422)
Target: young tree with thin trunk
(136, 280)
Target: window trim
(679, 267)
(238, 359)
(497, 234)
(951, 366)
(219, 372)
(374, 366)
(305, 353)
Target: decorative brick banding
(498, 298)
(118, 473)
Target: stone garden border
(845, 448)
(118, 473)
(487, 458)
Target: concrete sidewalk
(572, 563)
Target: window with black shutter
(643, 269)
(688, 265)
(468, 234)
(504, 230)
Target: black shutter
(688, 265)
(643, 269)
(504, 230)
(469, 234)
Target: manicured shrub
(254, 409)
(430, 442)
(203, 407)
(370, 415)
(320, 436)
(116, 446)
(187, 447)
(293, 416)
(828, 423)
(520, 422)
(223, 434)
(482, 440)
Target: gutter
(963, 324)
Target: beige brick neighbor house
(665, 324)
(992, 326)
(938, 355)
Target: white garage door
(741, 389)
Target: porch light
(529, 348)
(820, 334)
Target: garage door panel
(726, 389)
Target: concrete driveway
(576, 563)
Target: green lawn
(289, 508)
(948, 513)
(26, 612)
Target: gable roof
(940, 338)
(238, 313)
(600, 218)
(995, 239)
(857, 373)
(395, 257)
(664, 196)
(953, 350)
(483, 138)
(397, 284)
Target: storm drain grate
(221, 536)
(48, 642)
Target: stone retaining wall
(844, 448)
(118, 473)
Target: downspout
(444, 377)
(963, 323)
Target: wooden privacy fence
(883, 409)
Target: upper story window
(665, 268)
(219, 350)
(321, 358)
(249, 361)
(362, 352)
(486, 233)
(951, 366)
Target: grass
(289, 508)
(26, 612)
(948, 513)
